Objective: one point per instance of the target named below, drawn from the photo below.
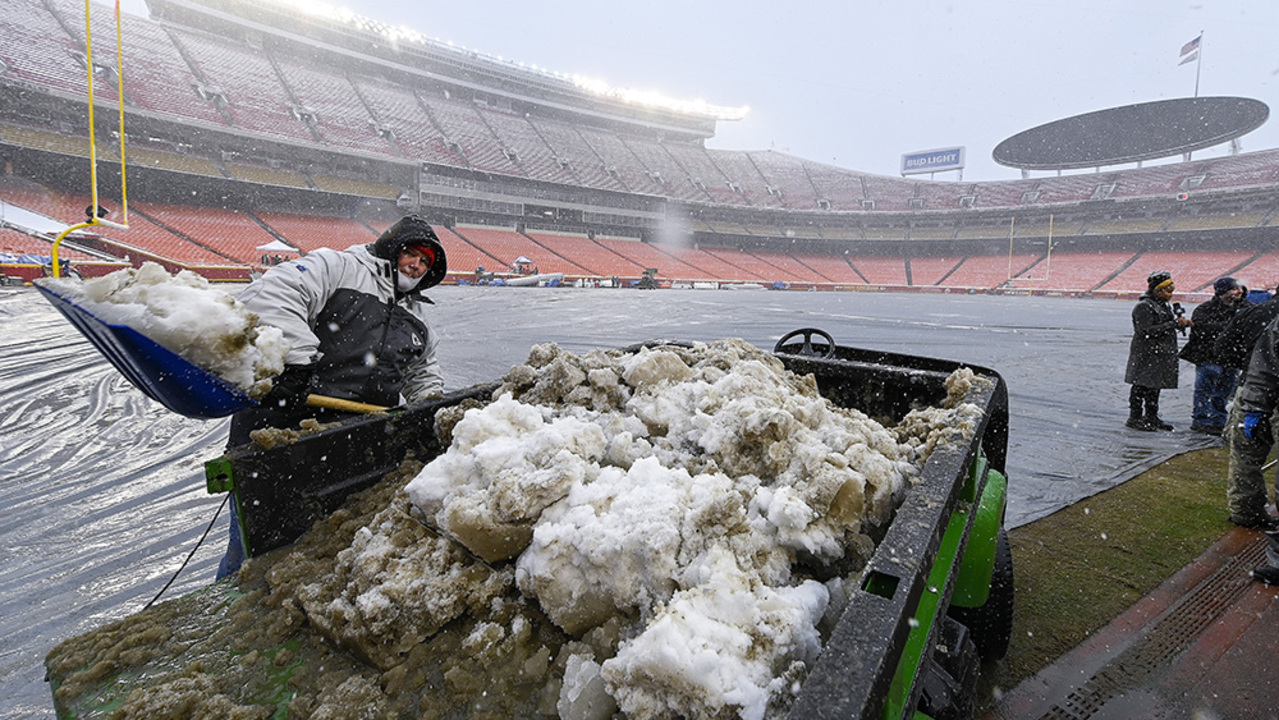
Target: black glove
(290, 388)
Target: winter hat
(415, 232)
(1224, 285)
(1158, 279)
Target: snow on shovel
(188, 388)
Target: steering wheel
(807, 348)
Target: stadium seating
(507, 246)
(840, 192)
(463, 257)
(682, 262)
(38, 52)
(989, 271)
(568, 147)
(928, 270)
(310, 232)
(1192, 270)
(834, 268)
(620, 162)
(228, 233)
(1160, 180)
(1261, 273)
(16, 243)
(740, 170)
(591, 256)
(1241, 171)
(251, 91)
(880, 270)
(155, 76)
(340, 115)
(148, 238)
(1010, 194)
(665, 172)
(461, 123)
(401, 119)
(519, 138)
(705, 175)
(1072, 271)
(788, 176)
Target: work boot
(1154, 422)
(1267, 574)
(1139, 423)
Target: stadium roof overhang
(1132, 133)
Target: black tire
(991, 624)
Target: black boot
(1140, 423)
(1152, 413)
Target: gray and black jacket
(342, 314)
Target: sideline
(1099, 581)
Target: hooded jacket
(1152, 354)
(1210, 319)
(342, 314)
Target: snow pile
(184, 314)
(673, 501)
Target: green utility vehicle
(935, 599)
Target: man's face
(1164, 293)
(1234, 295)
(413, 263)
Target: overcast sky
(857, 84)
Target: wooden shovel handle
(333, 403)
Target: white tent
(277, 246)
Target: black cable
(192, 553)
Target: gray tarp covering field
(104, 489)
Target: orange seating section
(588, 254)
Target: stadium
(254, 134)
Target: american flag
(1190, 51)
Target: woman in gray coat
(1152, 356)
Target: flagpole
(1199, 63)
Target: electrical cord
(192, 553)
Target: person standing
(1152, 354)
(356, 324)
(1245, 476)
(1257, 399)
(1214, 383)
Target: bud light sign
(930, 161)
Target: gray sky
(856, 84)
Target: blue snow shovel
(165, 376)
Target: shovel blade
(160, 373)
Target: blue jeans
(1214, 386)
(234, 556)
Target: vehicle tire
(991, 624)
